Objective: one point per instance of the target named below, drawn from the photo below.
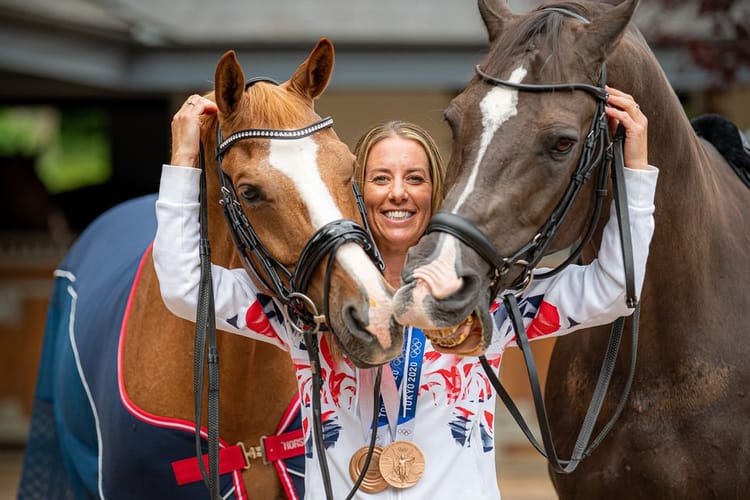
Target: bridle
(598, 151)
(289, 288)
(529, 254)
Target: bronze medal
(402, 464)
(373, 481)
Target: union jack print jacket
(455, 406)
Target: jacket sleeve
(239, 307)
(593, 294)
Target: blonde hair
(405, 130)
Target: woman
(444, 406)
(400, 173)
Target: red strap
(232, 458)
(289, 444)
(187, 471)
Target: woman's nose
(398, 191)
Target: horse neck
(685, 170)
(699, 216)
(256, 374)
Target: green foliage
(71, 146)
(27, 131)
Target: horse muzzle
(454, 324)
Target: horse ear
(600, 37)
(313, 75)
(229, 82)
(494, 13)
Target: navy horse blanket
(87, 439)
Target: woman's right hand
(186, 130)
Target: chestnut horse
(684, 431)
(114, 407)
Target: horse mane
(728, 139)
(541, 29)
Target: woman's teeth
(397, 214)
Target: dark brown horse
(684, 432)
(114, 402)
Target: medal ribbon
(406, 371)
(400, 383)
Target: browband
(264, 133)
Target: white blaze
(497, 107)
(439, 278)
(297, 159)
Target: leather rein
(599, 151)
(288, 287)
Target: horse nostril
(357, 327)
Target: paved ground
(522, 475)
(10, 470)
(522, 471)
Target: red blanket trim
(187, 470)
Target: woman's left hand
(622, 109)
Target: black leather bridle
(529, 254)
(599, 151)
(288, 287)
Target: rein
(598, 151)
(289, 288)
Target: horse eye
(563, 145)
(250, 194)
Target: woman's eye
(415, 179)
(563, 145)
(380, 179)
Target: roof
(173, 45)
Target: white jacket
(454, 421)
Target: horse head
(291, 182)
(514, 155)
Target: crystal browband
(261, 133)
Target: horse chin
(414, 304)
(455, 325)
(470, 338)
(364, 350)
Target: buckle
(254, 452)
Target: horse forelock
(541, 38)
(271, 106)
(538, 32)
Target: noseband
(290, 287)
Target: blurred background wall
(89, 87)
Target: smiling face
(397, 193)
